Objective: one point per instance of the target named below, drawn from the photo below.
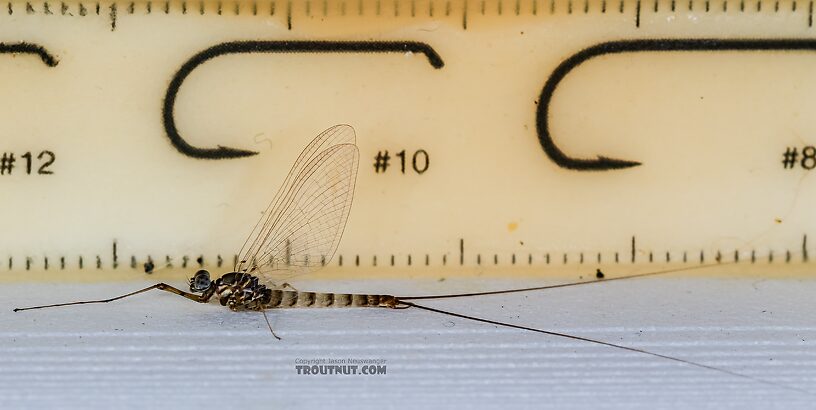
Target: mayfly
(300, 231)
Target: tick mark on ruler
(149, 265)
(115, 256)
(113, 16)
(289, 15)
(461, 251)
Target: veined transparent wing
(301, 229)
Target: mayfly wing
(301, 229)
(338, 134)
(309, 230)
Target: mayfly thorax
(300, 231)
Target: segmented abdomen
(292, 299)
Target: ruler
(494, 135)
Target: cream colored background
(709, 128)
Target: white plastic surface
(158, 350)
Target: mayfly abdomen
(293, 299)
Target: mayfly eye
(200, 281)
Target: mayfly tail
(602, 343)
(562, 285)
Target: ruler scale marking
(411, 22)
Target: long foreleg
(160, 286)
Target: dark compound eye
(200, 281)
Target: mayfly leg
(160, 286)
(269, 324)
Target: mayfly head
(200, 282)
